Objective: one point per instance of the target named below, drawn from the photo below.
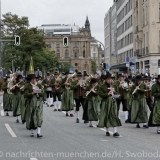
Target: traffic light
(65, 41)
(104, 66)
(17, 40)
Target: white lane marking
(2, 112)
(10, 130)
(2, 105)
(103, 140)
(33, 159)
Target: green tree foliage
(94, 66)
(32, 44)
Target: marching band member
(154, 120)
(17, 98)
(92, 103)
(120, 88)
(34, 104)
(56, 89)
(138, 105)
(148, 92)
(78, 93)
(48, 89)
(7, 98)
(109, 111)
(67, 95)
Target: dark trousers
(58, 95)
(124, 103)
(49, 93)
(149, 103)
(79, 101)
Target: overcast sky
(61, 12)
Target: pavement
(64, 139)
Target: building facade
(78, 50)
(147, 35)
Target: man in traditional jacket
(67, 95)
(122, 90)
(17, 98)
(56, 90)
(154, 120)
(7, 98)
(78, 93)
(109, 111)
(34, 104)
(138, 106)
(48, 89)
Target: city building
(147, 35)
(78, 50)
(124, 9)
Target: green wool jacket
(155, 92)
(139, 93)
(92, 94)
(28, 91)
(16, 90)
(53, 81)
(75, 89)
(4, 86)
(120, 90)
(46, 81)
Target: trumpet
(137, 88)
(9, 90)
(59, 77)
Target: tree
(32, 44)
(64, 66)
(94, 66)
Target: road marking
(2, 112)
(2, 105)
(33, 159)
(10, 130)
(103, 140)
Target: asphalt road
(65, 139)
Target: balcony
(147, 50)
(143, 51)
(138, 53)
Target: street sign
(107, 66)
(127, 64)
(71, 70)
(127, 60)
(132, 67)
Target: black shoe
(59, 110)
(17, 121)
(127, 121)
(51, 105)
(138, 126)
(32, 135)
(77, 121)
(116, 134)
(71, 115)
(90, 125)
(7, 114)
(86, 122)
(67, 114)
(39, 136)
(145, 126)
(158, 131)
(107, 134)
(55, 109)
(23, 122)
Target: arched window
(84, 54)
(66, 53)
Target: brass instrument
(137, 88)
(91, 89)
(59, 77)
(10, 84)
(88, 80)
(70, 79)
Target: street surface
(66, 140)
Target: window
(76, 64)
(75, 44)
(66, 54)
(58, 53)
(84, 44)
(57, 45)
(49, 45)
(84, 54)
(75, 55)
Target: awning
(123, 65)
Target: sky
(61, 12)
